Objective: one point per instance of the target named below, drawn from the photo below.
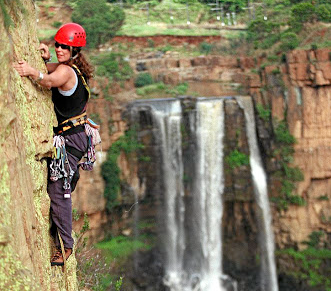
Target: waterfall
(191, 224)
(208, 192)
(207, 196)
(167, 116)
(268, 265)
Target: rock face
(297, 91)
(27, 117)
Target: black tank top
(69, 106)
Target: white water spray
(209, 189)
(168, 117)
(268, 266)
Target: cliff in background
(299, 91)
(27, 117)
(296, 90)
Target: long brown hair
(80, 61)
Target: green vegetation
(57, 24)
(288, 175)
(161, 90)
(236, 159)
(206, 48)
(110, 171)
(264, 113)
(46, 34)
(100, 20)
(143, 79)
(112, 66)
(263, 34)
(313, 263)
(283, 135)
(287, 25)
(92, 269)
(288, 41)
(120, 248)
(323, 12)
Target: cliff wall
(299, 91)
(27, 117)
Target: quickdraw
(92, 132)
(60, 167)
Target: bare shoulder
(65, 72)
(64, 69)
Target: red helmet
(71, 34)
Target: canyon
(297, 90)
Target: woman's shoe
(57, 259)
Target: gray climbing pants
(61, 208)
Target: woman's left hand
(45, 54)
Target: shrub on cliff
(300, 14)
(112, 66)
(289, 41)
(143, 79)
(110, 170)
(324, 12)
(100, 20)
(263, 33)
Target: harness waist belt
(71, 122)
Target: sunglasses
(63, 46)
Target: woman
(70, 94)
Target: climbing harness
(71, 123)
(60, 167)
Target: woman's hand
(24, 69)
(45, 54)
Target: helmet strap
(75, 56)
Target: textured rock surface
(304, 92)
(26, 115)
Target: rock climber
(75, 135)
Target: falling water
(209, 187)
(192, 238)
(268, 266)
(167, 116)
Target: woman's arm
(51, 67)
(62, 77)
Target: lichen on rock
(27, 117)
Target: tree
(100, 20)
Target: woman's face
(62, 52)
